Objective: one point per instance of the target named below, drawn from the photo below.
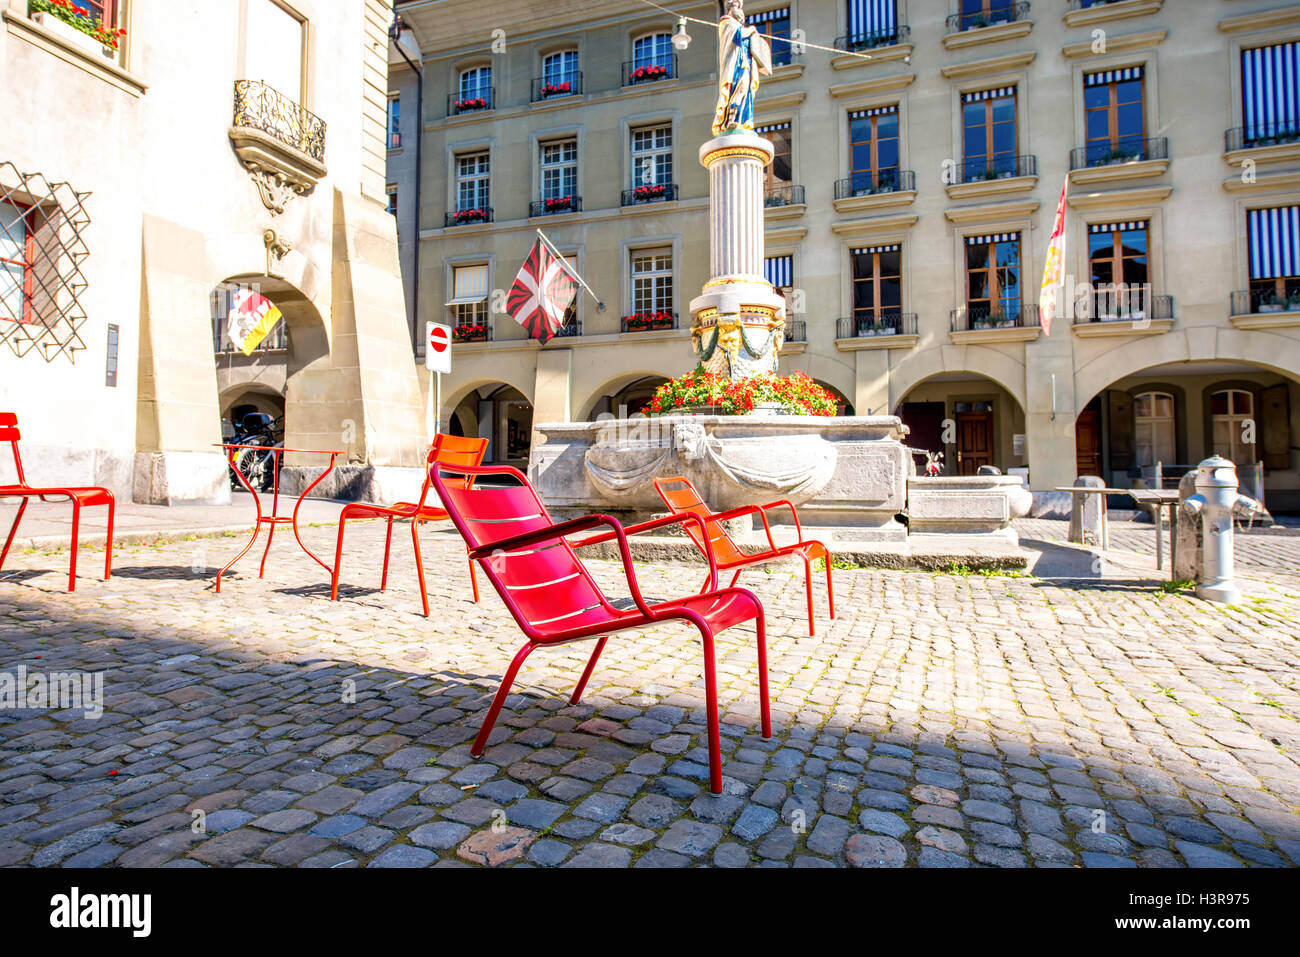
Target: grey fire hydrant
(1217, 503)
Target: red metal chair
(450, 450)
(684, 499)
(554, 600)
(79, 496)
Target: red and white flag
(542, 293)
(1047, 296)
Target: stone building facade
(221, 145)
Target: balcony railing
(887, 323)
(1004, 12)
(1262, 134)
(1123, 304)
(786, 195)
(261, 107)
(556, 87)
(649, 322)
(994, 317)
(277, 338)
(796, 330)
(1249, 302)
(653, 193)
(636, 72)
(466, 217)
(1127, 149)
(558, 204)
(569, 329)
(1085, 4)
(996, 167)
(854, 42)
(871, 182)
(473, 102)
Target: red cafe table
(275, 518)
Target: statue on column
(743, 55)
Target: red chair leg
(388, 545)
(22, 507)
(76, 532)
(502, 693)
(586, 674)
(765, 707)
(711, 705)
(108, 545)
(807, 585)
(830, 587)
(419, 562)
(735, 578)
(338, 556)
(473, 579)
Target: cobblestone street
(942, 720)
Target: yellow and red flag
(252, 317)
(1047, 296)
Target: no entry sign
(437, 347)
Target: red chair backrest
(545, 586)
(9, 433)
(682, 497)
(451, 450)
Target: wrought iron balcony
(466, 217)
(474, 102)
(871, 182)
(786, 195)
(652, 193)
(1123, 304)
(1127, 149)
(796, 330)
(557, 204)
(854, 42)
(886, 323)
(1085, 4)
(267, 110)
(1262, 134)
(569, 329)
(648, 322)
(994, 317)
(1001, 11)
(996, 167)
(1249, 302)
(557, 87)
(636, 72)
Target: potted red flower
(559, 203)
(471, 103)
(469, 332)
(643, 194)
(652, 71)
(72, 23)
(557, 89)
(470, 216)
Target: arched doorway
(973, 420)
(501, 414)
(624, 396)
(842, 404)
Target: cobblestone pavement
(940, 721)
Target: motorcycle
(258, 466)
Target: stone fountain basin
(845, 471)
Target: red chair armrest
(654, 523)
(786, 503)
(742, 511)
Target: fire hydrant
(1217, 503)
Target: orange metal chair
(79, 496)
(452, 450)
(682, 497)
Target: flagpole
(568, 269)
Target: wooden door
(1087, 443)
(974, 441)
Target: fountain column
(738, 321)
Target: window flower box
(653, 71)
(69, 22)
(469, 333)
(559, 204)
(647, 321)
(469, 216)
(557, 89)
(644, 194)
(470, 104)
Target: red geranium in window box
(644, 193)
(653, 71)
(470, 216)
(557, 89)
(559, 203)
(643, 321)
(471, 103)
(469, 332)
(106, 34)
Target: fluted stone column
(738, 322)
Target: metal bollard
(1217, 503)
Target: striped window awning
(1116, 227)
(1112, 76)
(872, 16)
(1270, 89)
(992, 238)
(978, 95)
(469, 284)
(779, 271)
(874, 111)
(772, 127)
(1274, 238)
(782, 13)
(868, 250)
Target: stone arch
(450, 401)
(1008, 373)
(611, 386)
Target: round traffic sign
(438, 339)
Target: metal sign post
(437, 359)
